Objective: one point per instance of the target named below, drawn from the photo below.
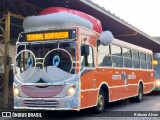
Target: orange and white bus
(70, 68)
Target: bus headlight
(16, 91)
(71, 91)
(158, 83)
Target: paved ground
(115, 111)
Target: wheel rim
(100, 102)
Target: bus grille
(41, 103)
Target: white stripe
(149, 83)
(89, 90)
(132, 84)
(116, 86)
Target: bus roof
(131, 46)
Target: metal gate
(5, 38)
(5, 61)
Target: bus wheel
(140, 94)
(100, 102)
(139, 97)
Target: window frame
(118, 56)
(93, 61)
(143, 62)
(105, 55)
(136, 59)
(127, 58)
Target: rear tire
(100, 102)
(139, 97)
(140, 94)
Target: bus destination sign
(47, 36)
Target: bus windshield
(56, 59)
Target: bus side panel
(115, 94)
(149, 85)
(148, 88)
(132, 90)
(133, 79)
(92, 97)
(112, 78)
(83, 99)
(89, 91)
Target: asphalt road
(120, 110)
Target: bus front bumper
(67, 103)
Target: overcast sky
(143, 14)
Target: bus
(73, 67)
(156, 57)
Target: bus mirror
(106, 38)
(155, 62)
(84, 50)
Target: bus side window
(149, 61)
(117, 59)
(20, 48)
(136, 59)
(87, 56)
(104, 57)
(143, 60)
(127, 56)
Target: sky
(143, 14)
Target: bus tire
(100, 102)
(139, 97)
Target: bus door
(88, 81)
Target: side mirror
(84, 50)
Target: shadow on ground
(154, 93)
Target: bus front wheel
(100, 102)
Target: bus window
(117, 59)
(104, 57)
(149, 61)
(135, 58)
(143, 60)
(87, 56)
(127, 58)
(20, 48)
